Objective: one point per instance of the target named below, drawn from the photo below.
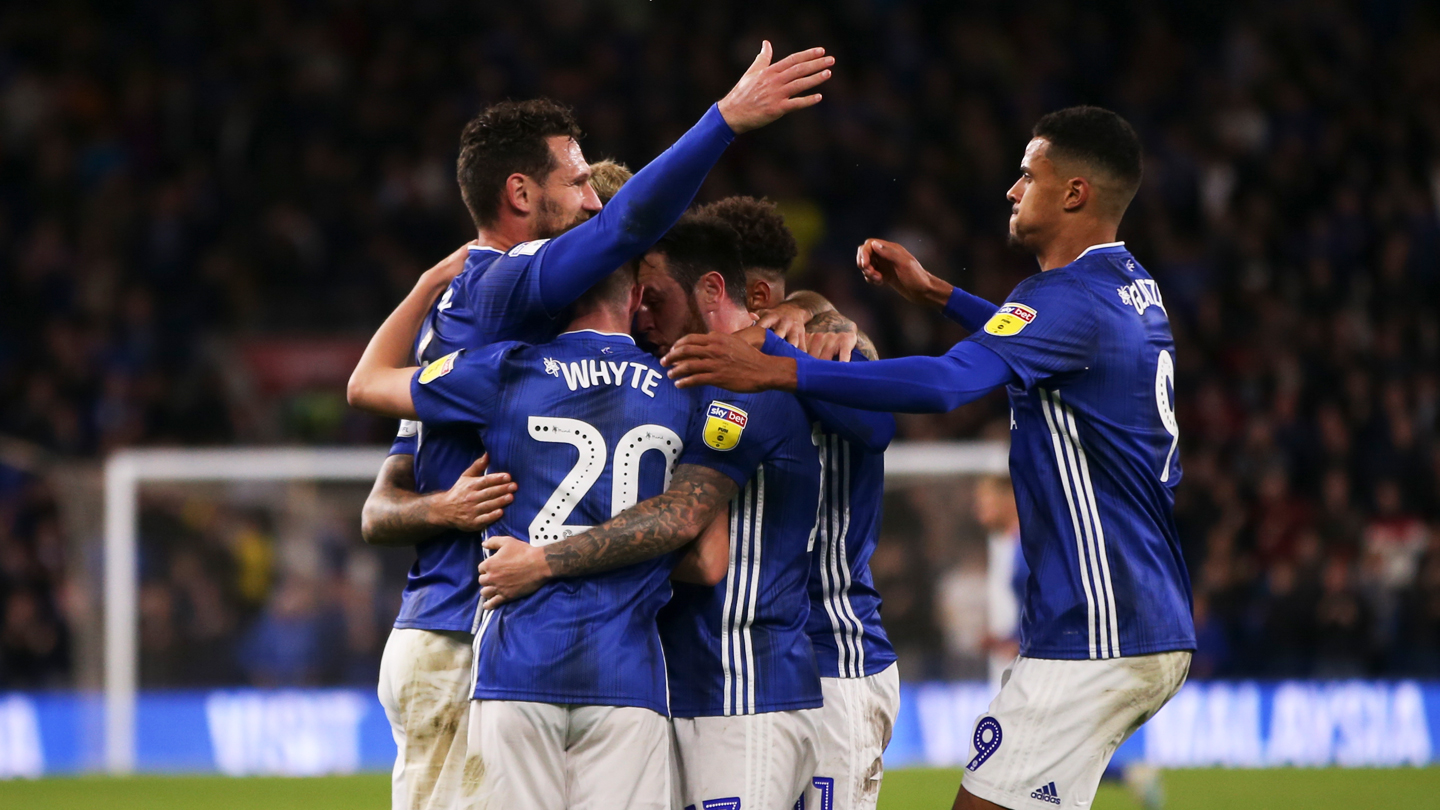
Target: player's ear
(757, 294)
(710, 289)
(519, 192)
(1077, 193)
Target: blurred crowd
(178, 178)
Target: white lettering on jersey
(1141, 295)
(585, 373)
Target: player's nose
(591, 201)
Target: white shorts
(1051, 731)
(425, 688)
(545, 756)
(855, 726)
(765, 761)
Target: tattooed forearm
(648, 529)
(395, 514)
(812, 302)
(833, 321)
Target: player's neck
(600, 320)
(506, 232)
(728, 318)
(1066, 247)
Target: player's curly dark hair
(765, 242)
(700, 244)
(505, 139)
(1098, 137)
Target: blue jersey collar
(1104, 246)
(597, 332)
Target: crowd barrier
(321, 731)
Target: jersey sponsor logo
(1009, 319)
(1141, 295)
(987, 741)
(724, 425)
(1047, 793)
(527, 248)
(438, 369)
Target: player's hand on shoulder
(726, 361)
(476, 500)
(888, 263)
(769, 90)
(787, 321)
(833, 345)
(513, 570)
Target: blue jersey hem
(570, 700)
(764, 708)
(421, 624)
(1127, 652)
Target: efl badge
(723, 425)
(438, 369)
(1010, 319)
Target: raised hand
(727, 361)
(887, 263)
(476, 500)
(768, 91)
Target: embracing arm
(871, 430)
(907, 384)
(396, 515)
(649, 529)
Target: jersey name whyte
(586, 373)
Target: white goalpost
(128, 470)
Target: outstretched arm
(649, 529)
(888, 263)
(907, 384)
(869, 429)
(647, 206)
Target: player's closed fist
(883, 262)
(513, 570)
(769, 90)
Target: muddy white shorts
(425, 688)
(545, 756)
(855, 725)
(1051, 731)
(762, 761)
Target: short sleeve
(405, 438)
(733, 433)
(1046, 328)
(461, 387)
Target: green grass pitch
(1321, 789)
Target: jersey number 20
(549, 525)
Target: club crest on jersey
(1009, 319)
(723, 425)
(438, 369)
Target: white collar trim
(1099, 247)
(486, 247)
(598, 332)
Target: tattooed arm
(649, 529)
(396, 515)
(833, 336)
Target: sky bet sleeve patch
(723, 425)
(438, 369)
(1009, 319)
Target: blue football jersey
(1094, 456)
(588, 425)
(441, 592)
(741, 647)
(844, 625)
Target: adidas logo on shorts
(1047, 793)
